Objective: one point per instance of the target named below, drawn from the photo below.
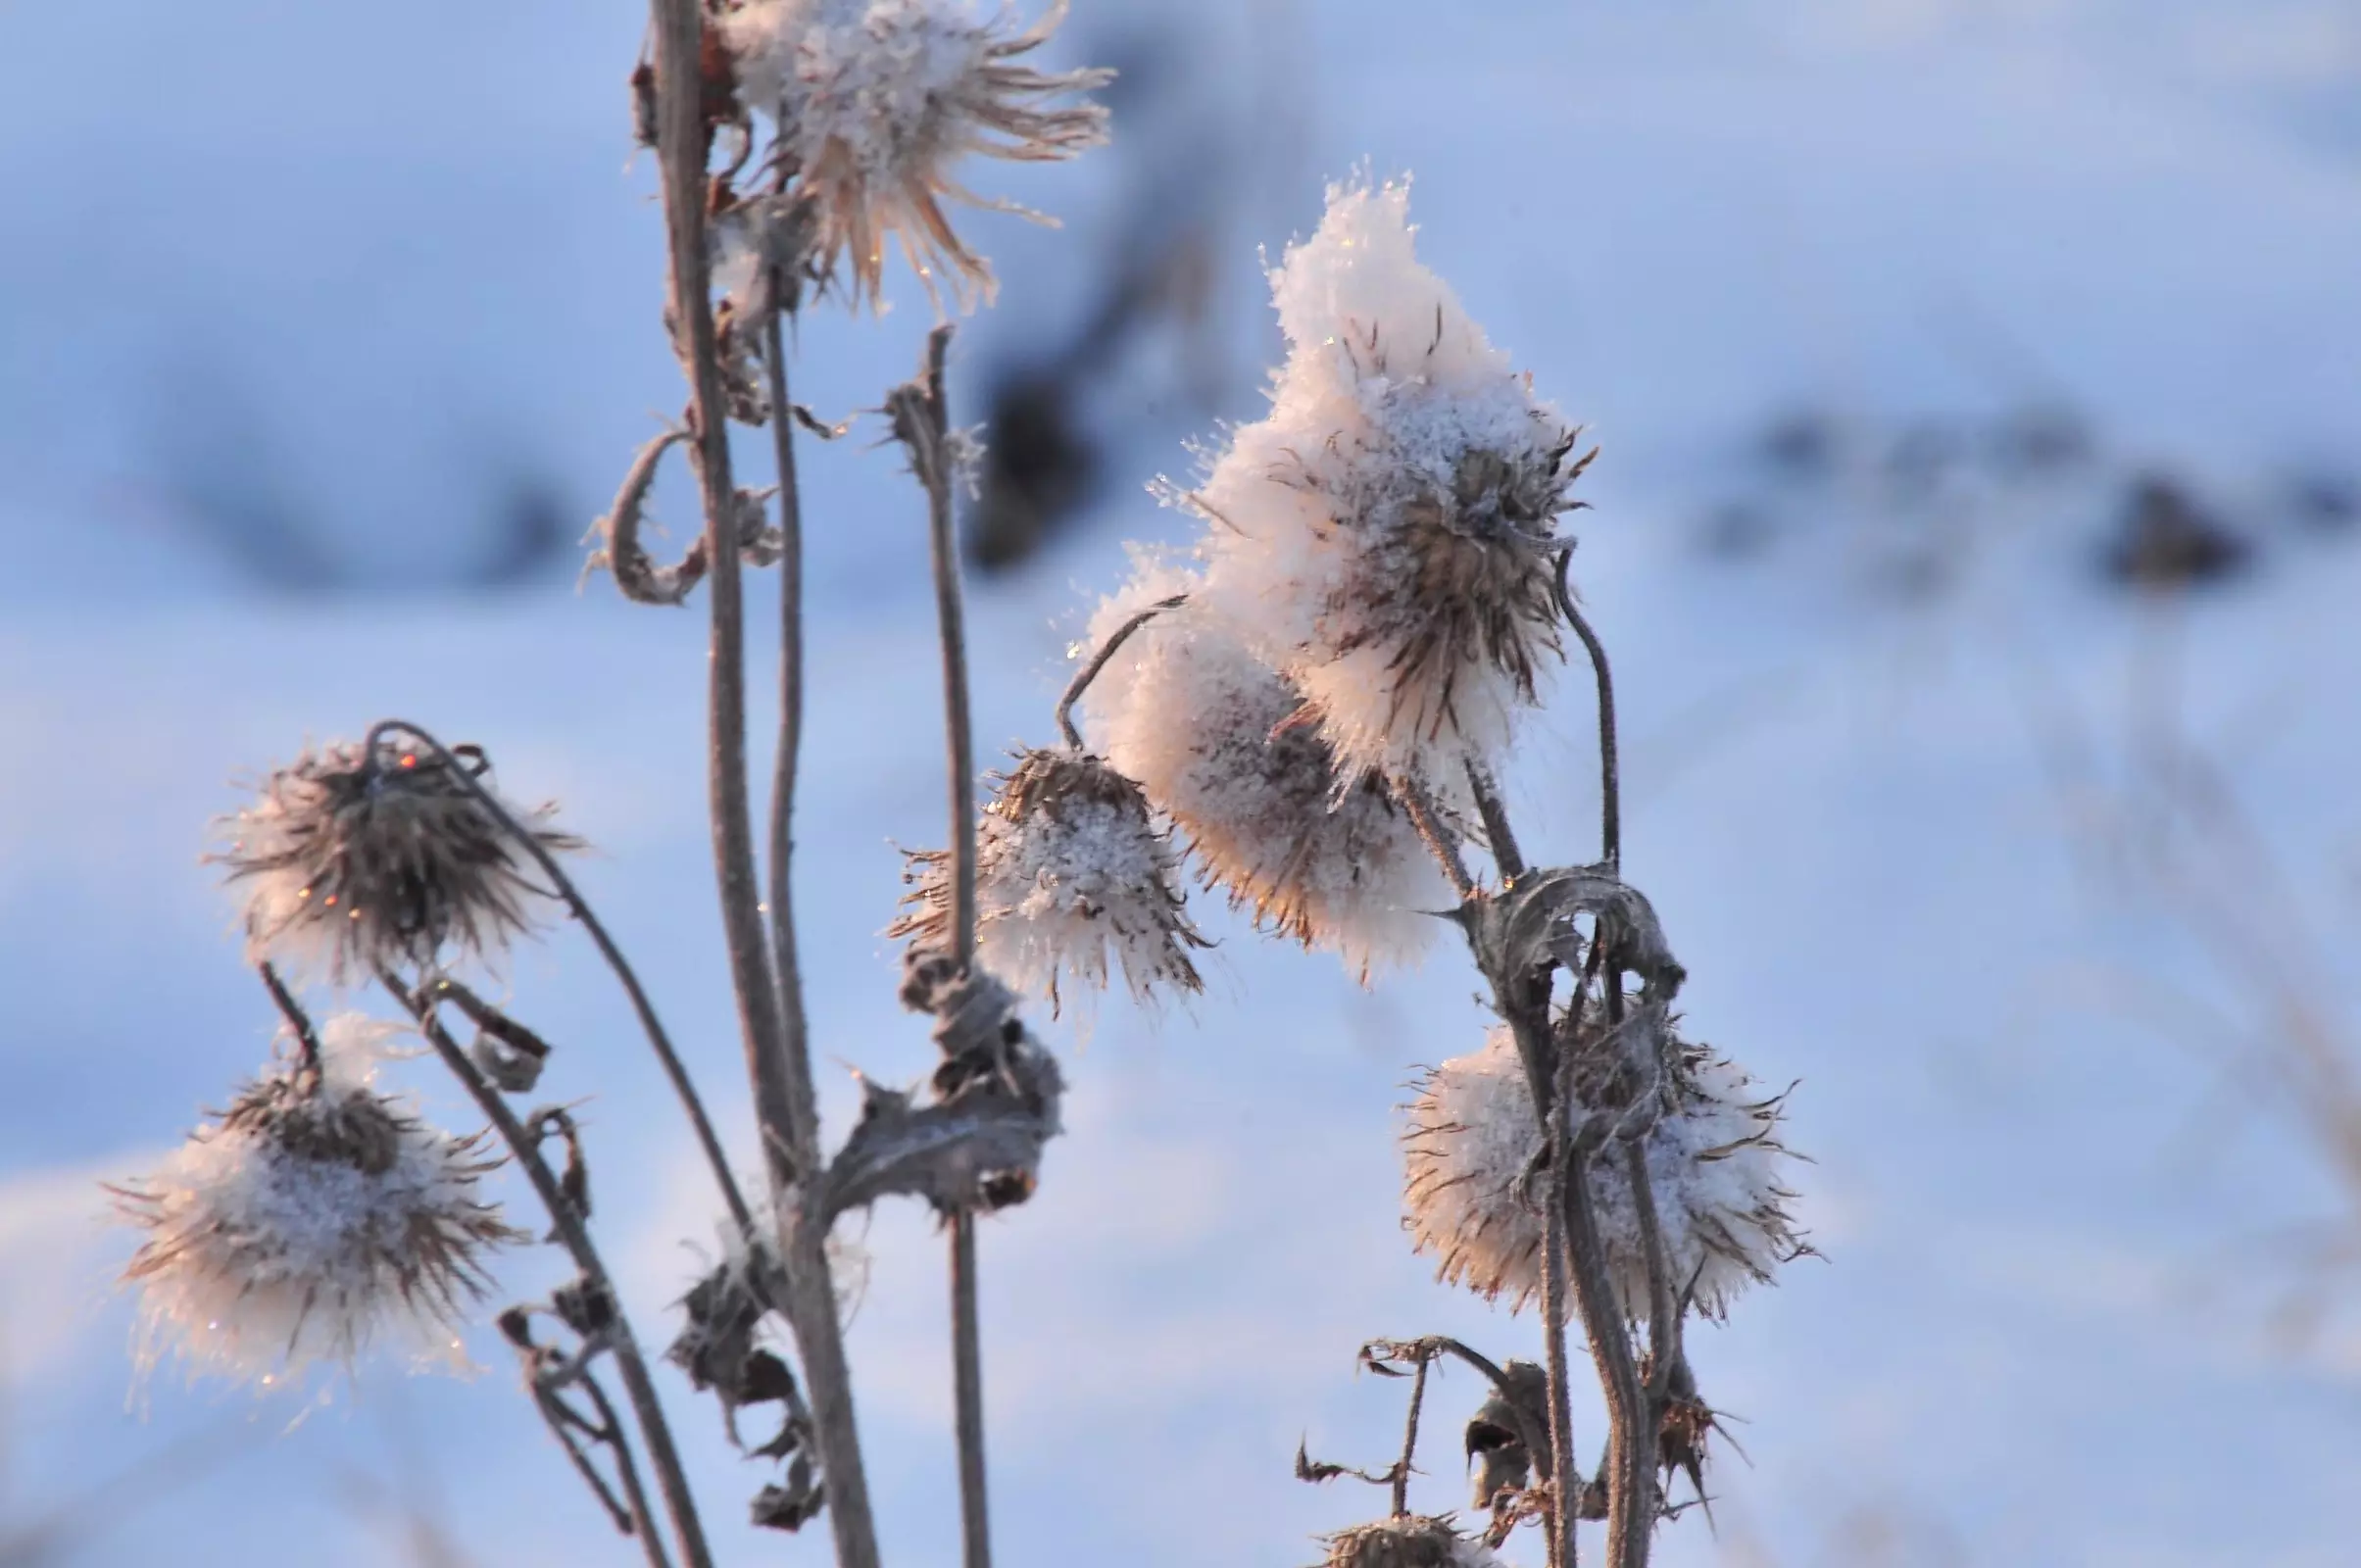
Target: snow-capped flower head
(1186, 708)
(874, 100)
(1069, 864)
(1386, 534)
(350, 861)
(314, 1215)
(1408, 1541)
(1714, 1165)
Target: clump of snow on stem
(1714, 1166)
(1408, 1541)
(1069, 865)
(872, 101)
(1385, 536)
(1188, 709)
(311, 1218)
(351, 861)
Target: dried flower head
(310, 1216)
(1188, 709)
(1386, 534)
(873, 100)
(353, 862)
(1068, 864)
(1408, 1541)
(1713, 1161)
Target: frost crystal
(1188, 709)
(1067, 865)
(311, 1215)
(1713, 1163)
(1386, 533)
(349, 865)
(1409, 1541)
(873, 100)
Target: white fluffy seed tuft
(1188, 709)
(1714, 1164)
(1386, 535)
(874, 100)
(313, 1218)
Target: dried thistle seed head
(1715, 1163)
(1408, 1541)
(1188, 709)
(313, 1215)
(873, 101)
(1386, 534)
(1068, 865)
(351, 861)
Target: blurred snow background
(323, 332)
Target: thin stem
(567, 1223)
(307, 1038)
(1534, 1050)
(1409, 1439)
(563, 885)
(1610, 788)
(922, 421)
(786, 1107)
(1505, 856)
(1098, 662)
(627, 1470)
(794, 1026)
(1437, 837)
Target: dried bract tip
(1408, 1541)
(1387, 532)
(350, 863)
(311, 1215)
(1068, 866)
(1191, 712)
(1713, 1159)
(873, 101)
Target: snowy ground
(370, 280)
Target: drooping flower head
(314, 1215)
(1069, 865)
(350, 861)
(874, 100)
(1408, 1541)
(1714, 1165)
(1385, 536)
(1188, 709)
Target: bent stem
(1098, 662)
(567, 1221)
(923, 422)
(579, 907)
(1610, 786)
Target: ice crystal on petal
(874, 100)
(312, 1216)
(1190, 710)
(1386, 534)
(1713, 1158)
(349, 862)
(1069, 864)
(1408, 1541)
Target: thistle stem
(1098, 662)
(1409, 1434)
(688, 1531)
(1611, 785)
(572, 896)
(786, 1107)
(307, 1038)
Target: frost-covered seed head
(874, 100)
(1713, 1158)
(310, 1217)
(1187, 707)
(349, 865)
(1068, 865)
(1386, 534)
(1409, 1541)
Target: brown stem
(794, 1026)
(1610, 788)
(1409, 1438)
(922, 421)
(307, 1038)
(1533, 1047)
(671, 1479)
(786, 1108)
(627, 1470)
(563, 885)
(1436, 837)
(1098, 662)
(1505, 856)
